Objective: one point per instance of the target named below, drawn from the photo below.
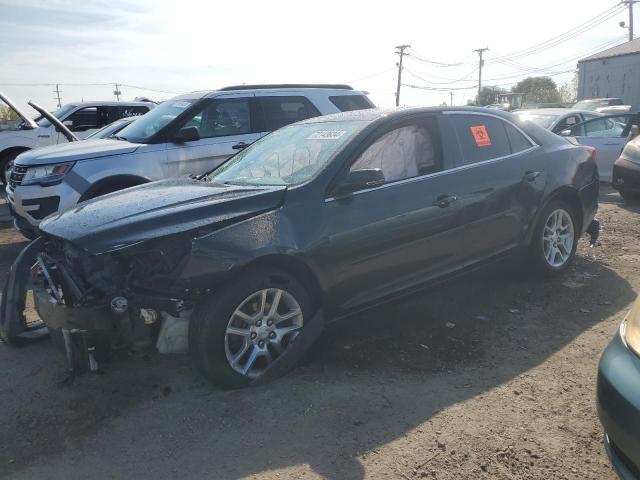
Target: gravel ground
(489, 377)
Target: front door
(225, 126)
(386, 239)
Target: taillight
(592, 153)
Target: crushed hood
(71, 152)
(158, 209)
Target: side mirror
(361, 180)
(566, 133)
(68, 124)
(186, 134)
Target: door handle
(531, 176)
(612, 143)
(240, 145)
(443, 201)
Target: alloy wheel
(261, 329)
(558, 238)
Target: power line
(371, 76)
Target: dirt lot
(490, 377)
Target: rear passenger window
(517, 140)
(402, 153)
(481, 138)
(346, 103)
(281, 111)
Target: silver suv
(187, 135)
(19, 132)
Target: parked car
(619, 396)
(190, 134)
(594, 104)
(19, 132)
(608, 134)
(626, 171)
(315, 221)
(556, 119)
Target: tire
(550, 254)
(5, 162)
(213, 346)
(629, 196)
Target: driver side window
(605, 127)
(402, 153)
(221, 118)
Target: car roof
(336, 89)
(372, 114)
(554, 111)
(110, 103)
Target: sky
(171, 47)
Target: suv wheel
(240, 333)
(555, 239)
(6, 163)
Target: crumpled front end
(95, 304)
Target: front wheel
(237, 335)
(555, 239)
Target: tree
(538, 89)
(488, 95)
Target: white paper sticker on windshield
(181, 104)
(326, 134)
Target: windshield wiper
(116, 137)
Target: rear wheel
(555, 239)
(240, 333)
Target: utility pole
(451, 102)
(117, 92)
(629, 4)
(400, 51)
(57, 92)
(480, 64)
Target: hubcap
(558, 238)
(261, 329)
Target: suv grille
(17, 174)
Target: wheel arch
(124, 180)
(11, 150)
(568, 194)
(295, 267)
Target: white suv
(19, 132)
(187, 135)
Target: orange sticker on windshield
(481, 136)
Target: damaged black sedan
(315, 221)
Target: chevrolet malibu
(315, 221)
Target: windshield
(544, 121)
(111, 129)
(59, 114)
(149, 124)
(289, 156)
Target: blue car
(619, 397)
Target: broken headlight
(631, 328)
(46, 174)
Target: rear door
(225, 124)
(498, 182)
(608, 135)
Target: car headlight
(46, 174)
(631, 328)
